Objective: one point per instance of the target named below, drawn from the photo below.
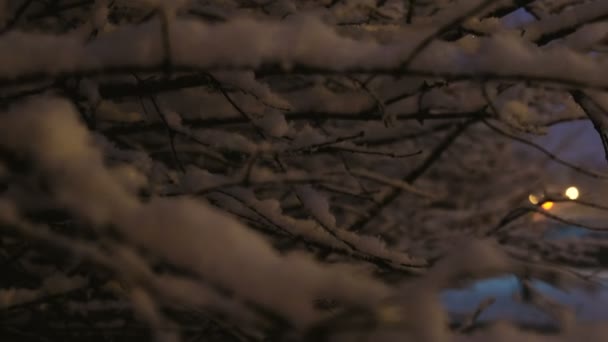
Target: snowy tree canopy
(286, 170)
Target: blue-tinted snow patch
(587, 306)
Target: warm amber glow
(572, 193)
(547, 205)
(533, 199)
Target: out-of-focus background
(578, 143)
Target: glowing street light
(572, 193)
(536, 201)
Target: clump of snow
(273, 123)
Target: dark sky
(576, 141)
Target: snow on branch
(285, 170)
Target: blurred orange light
(547, 205)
